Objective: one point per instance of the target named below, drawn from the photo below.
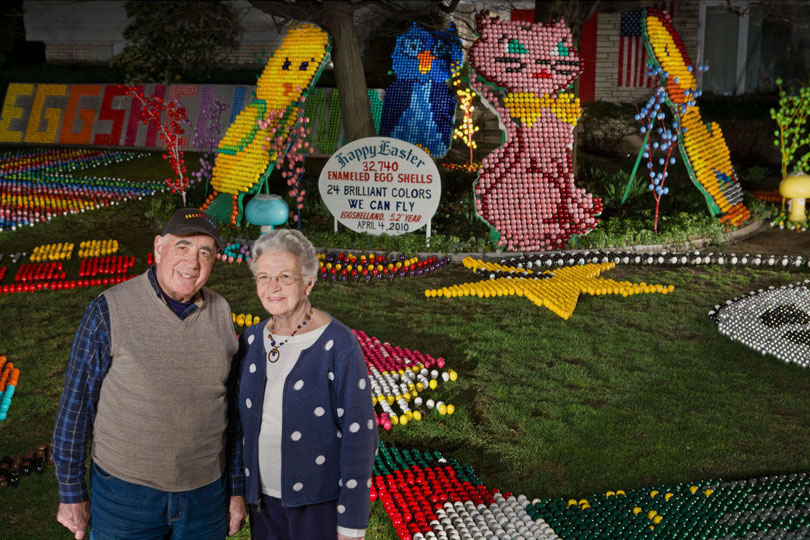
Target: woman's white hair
(291, 240)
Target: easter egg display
(235, 252)
(559, 292)
(525, 190)
(368, 267)
(12, 468)
(773, 321)
(380, 185)
(9, 375)
(398, 376)
(50, 274)
(36, 185)
(429, 496)
(703, 148)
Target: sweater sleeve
(359, 436)
(236, 476)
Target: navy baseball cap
(188, 221)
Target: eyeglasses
(284, 279)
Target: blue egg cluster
(419, 107)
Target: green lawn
(629, 392)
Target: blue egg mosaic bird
(419, 107)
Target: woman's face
(276, 297)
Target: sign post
(380, 185)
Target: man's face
(184, 263)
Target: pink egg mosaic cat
(525, 189)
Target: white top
(270, 431)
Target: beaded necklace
(273, 354)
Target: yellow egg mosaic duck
(243, 161)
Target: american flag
(632, 54)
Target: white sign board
(381, 185)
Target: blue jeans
(124, 511)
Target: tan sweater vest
(162, 410)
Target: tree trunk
(351, 80)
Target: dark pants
(124, 511)
(277, 522)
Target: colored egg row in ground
(661, 258)
(9, 376)
(95, 248)
(245, 319)
(64, 284)
(428, 496)
(349, 267)
(108, 265)
(235, 252)
(61, 251)
(25, 203)
(40, 272)
(398, 377)
(12, 468)
(61, 159)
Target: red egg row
(386, 357)
(108, 264)
(40, 271)
(62, 285)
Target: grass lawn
(629, 392)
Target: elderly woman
(305, 406)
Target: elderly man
(150, 376)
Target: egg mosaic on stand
(430, 497)
(245, 155)
(419, 106)
(702, 145)
(525, 189)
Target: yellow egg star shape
(558, 293)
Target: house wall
(685, 21)
(93, 32)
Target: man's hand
(237, 513)
(341, 537)
(76, 517)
